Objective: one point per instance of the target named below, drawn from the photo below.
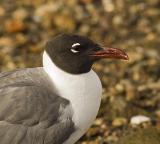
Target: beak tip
(126, 57)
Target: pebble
(6, 42)
(12, 26)
(20, 14)
(119, 122)
(108, 5)
(98, 122)
(45, 9)
(139, 119)
(2, 11)
(158, 114)
(64, 22)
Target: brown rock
(6, 41)
(65, 22)
(119, 122)
(2, 11)
(13, 25)
(20, 14)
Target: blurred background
(130, 88)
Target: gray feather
(30, 110)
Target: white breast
(83, 91)
(85, 101)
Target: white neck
(82, 90)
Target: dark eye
(75, 48)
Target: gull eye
(75, 48)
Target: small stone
(2, 11)
(151, 37)
(21, 39)
(108, 5)
(130, 90)
(11, 65)
(92, 132)
(98, 122)
(158, 113)
(119, 122)
(6, 42)
(45, 9)
(119, 87)
(112, 138)
(65, 22)
(34, 49)
(12, 26)
(139, 119)
(98, 67)
(117, 20)
(20, 14)
(84, 29)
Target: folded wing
(30, 111)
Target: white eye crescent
(74, 51)
(74, 46)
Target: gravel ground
(130, 88)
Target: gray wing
(30, 111)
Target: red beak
(114, 53)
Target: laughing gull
(56, 103)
